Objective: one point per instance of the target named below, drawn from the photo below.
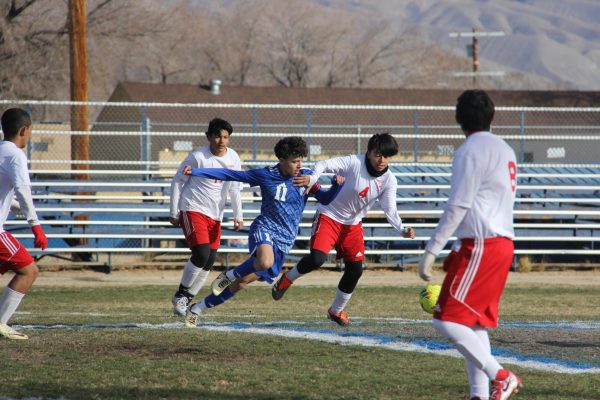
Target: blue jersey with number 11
(282, 202)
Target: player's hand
(238, 224)
(301, 180)
(338, 179)
(408, 232)
(39, 238)
(174, 221)
(426, 265)
(187, 170)
(16, 209)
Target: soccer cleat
(191, 318)
(503, 389)
(220, 283)
(180, 303)
(280, 287)
(341, 318)
(9, 333)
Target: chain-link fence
(151, 135)
(130, 151)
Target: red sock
(502, 375)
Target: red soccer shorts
(200, 229)
(13, 255)
(474, 282)
(347, 239)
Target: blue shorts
(258, 236)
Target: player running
(480, 213)
(339, 224)
(273, 232)
(14, 182)
(197, 205)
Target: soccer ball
(428, 297)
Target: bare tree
(34, 47)
(296, 45)
(231, 45)
(262, 42)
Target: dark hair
(13, 120)
(474, 110)
(292, 146)
(384, 144)
(216, 125)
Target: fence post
(29, 145)
(145, 141)
(308, 127)
(145, 155)
(254, 132)
(522, 133)
(416, 138)
(358, 144)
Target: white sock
(293, 274)
(199, 282)
(190, 273)
(340, 301)
(9, 304)
(199, 307)
(478, 379)
(469, 344)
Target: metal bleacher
(125, 212)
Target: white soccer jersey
(206, 196)
(360, 191)
(14, 174)
(484, 180)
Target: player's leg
(478, 353)
(352, 272)
(262, 258)
(203, 236)
(210, 301)
(13, 256)
(308, 263)
(478, 380)
(193, 276)
(468, 343)
(351, 247)
(325, 233)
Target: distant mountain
(558, 40)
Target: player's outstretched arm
(222, 174)
(326, 196)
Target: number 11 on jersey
(281, 192)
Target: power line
(473, 51)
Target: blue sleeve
(326, 197)
(252, 177)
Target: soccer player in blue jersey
(273, 232)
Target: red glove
(40, 239)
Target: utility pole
(80, 144)
(473, 51)
(475, 57)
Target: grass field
(122, 342)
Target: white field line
(399, 346)
(349, 339)
(567, 325)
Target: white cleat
(180, 304)
(9, 333)
(502, 390)
(220, 283)
(191, 318)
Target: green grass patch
(197, 363)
